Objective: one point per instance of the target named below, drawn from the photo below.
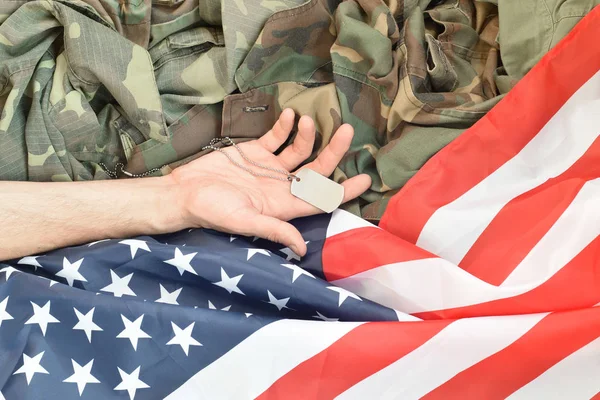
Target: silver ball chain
(212, 146)
(119, 166)
(228, 142)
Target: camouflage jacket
(86, 84)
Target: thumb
(278, 231)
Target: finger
(303, 144)
(278, 231)
(356, 186)
(273, 139)
(353, 188)
(332, 154)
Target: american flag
(481, 282)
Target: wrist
(169, 210)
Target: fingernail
(295, 249)
(305, 119)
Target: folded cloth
(87, 84)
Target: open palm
(219, 195)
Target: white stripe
(255, 364)
(424, 285)
(404, 317)
(460, 345)
(572, 232)
(342, 221)
(453, 228)
(575, 377)
(435, 284)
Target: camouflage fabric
(148, 83)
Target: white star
(31, 366)
(135, 245)
(229, 284)
(279, 303)
(71, 271)
(86, 323)
(248, 314)
(232, 238)
(344, 294)
(82, 375)
(4, 316)
(252, 252)
(119, 286)
(9, 271)
(98, 241)
(255, 238)
(290, 254)
(182, 262)
(183, 337)
(131, 382)
(133, 331)
(211, 306)
(324, 318)
(168, 298)
(42, 317)
(297, 271)
(30, 260)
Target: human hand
(214, 193)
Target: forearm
(37, 217)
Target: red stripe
(356, 356)
(596, 397)
(361, 249)
(576, 285)
(551, 340)
(501, 134)
(522, 223)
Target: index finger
(332, 154)
(274, 138)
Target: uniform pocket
(250, 115)
(189, 134)
(442, 75)
(185, 43)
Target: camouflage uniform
(148, 83)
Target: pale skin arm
(209, 192)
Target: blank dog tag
(318, 190)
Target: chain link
(228, 142)
(119, 166)
(212, 145)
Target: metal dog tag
(318, 190)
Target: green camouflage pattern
(147, 83)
